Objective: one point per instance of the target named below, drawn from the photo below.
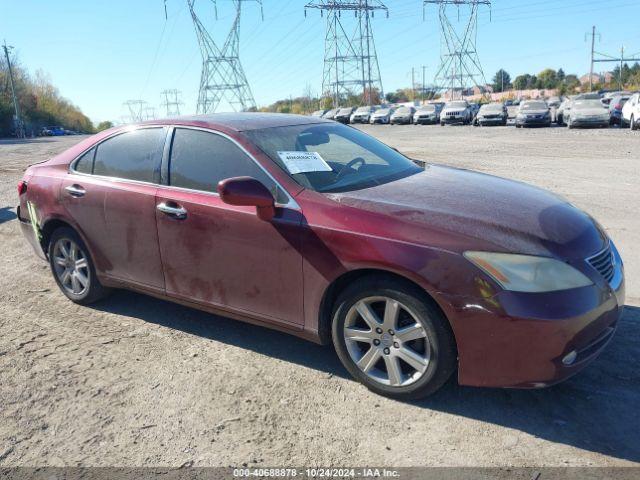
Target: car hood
(479, 211)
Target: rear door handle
(173, 211)
(75, 190)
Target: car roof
(242, 121)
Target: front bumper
(492, 121)
(378, 120)
(425, 120)
(401, 121)
(533, 122)
(520, 340)
(452, 119)
(590, 122)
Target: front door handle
(75, 190)
(174, 211)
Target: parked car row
(56, 131)
(584, 110)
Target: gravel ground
(135, 381)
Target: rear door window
(199, 160)
(133, 155)
(85, 163)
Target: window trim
(72, 164)
(164, 163)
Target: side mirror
(247, 191)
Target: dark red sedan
(317, 229)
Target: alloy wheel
(71, 266)
(386, 341)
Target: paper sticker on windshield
(304, 162)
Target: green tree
(501, 81)
(106, 125)
(548, 78)
(524, 82)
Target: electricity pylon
(222, 75)
(171, 102)
(137, 110)
(350, 60)
(460, 66)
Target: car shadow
(7, 214)
(596, 410)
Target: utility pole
(593, 36)
(413, 84)
(18, 121)
(424, 70)
(621, 60)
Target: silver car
(458, 111)
(427, 114)
(362, 114)
(403, 116)
(382, 116)
(588, 113)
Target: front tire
(632, 123)
(73, 269)
(392, 339)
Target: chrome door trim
(177, 212)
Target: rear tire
(405, 356)
(632, 123)
(73, 269)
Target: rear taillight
(22, 187)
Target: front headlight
(527, 273)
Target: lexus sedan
(534, 113)
(413, 272)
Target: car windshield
(344, 111)
(492, 107)
(457, 105)
(427, 108)
(403, 110)
(585, 104)
(533, 106)
(384, 111)
(339, 158)
(363, 110)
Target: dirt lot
(136, 381)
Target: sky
(102, 53)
